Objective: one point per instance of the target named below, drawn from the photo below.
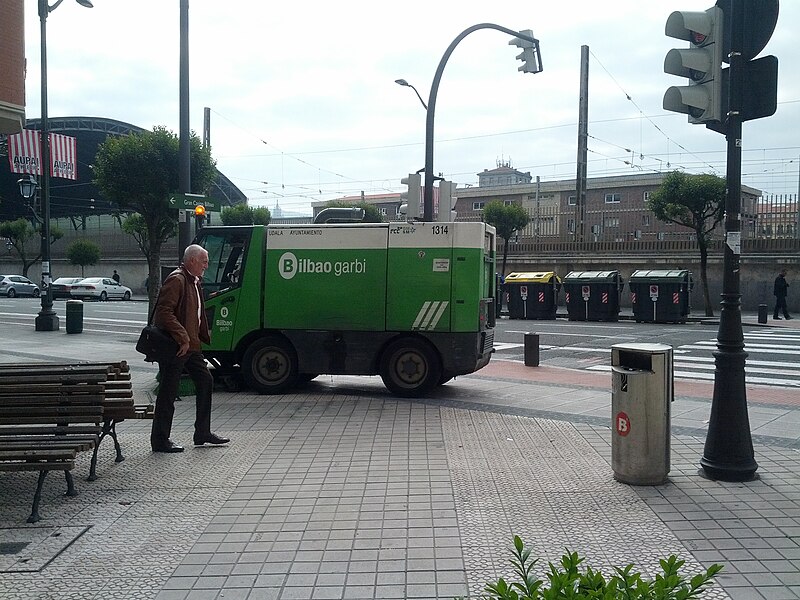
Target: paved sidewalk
(342, 491)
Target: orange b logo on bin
(623, 424)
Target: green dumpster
(661, 296)
(593, 295)
(532, 295)
(74, 316)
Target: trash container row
(657, 296)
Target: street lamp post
(404, 83)
(47, 319)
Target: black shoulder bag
(156, 344)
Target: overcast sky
(304, 106)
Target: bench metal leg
(113, 433)
(36, 498)
(93, 465)
(70, 484)
(109, 428)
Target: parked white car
(99, 288)
(17, 285)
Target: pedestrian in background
(780, 289)
(115, 276)
(180, 311)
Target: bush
(568, 583)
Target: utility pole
(583, 147)
(184, 152)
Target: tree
(696, 202)
(371, 212)
(19, 232)
(140, 173)
(507, 219)
(241, 214)
(83, 252)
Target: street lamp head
(402, 82)
(85, 3)
(27, 187)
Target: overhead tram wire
(638, 108)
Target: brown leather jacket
(176, 310)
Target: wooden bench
(51, 411)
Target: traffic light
(701, 63)
(199, 215)
(412, 198)
(530, 57)
(446, 212)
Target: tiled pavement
(341, 491)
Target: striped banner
(25, 154)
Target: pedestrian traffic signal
(412, 197)
(530, 56)
(701, 63)
(199, 215)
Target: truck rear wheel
(269, 366)
(410, 368)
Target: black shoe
(788, 318)
(777, 318)
(169, 448)
(210, 438)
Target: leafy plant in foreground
(567, 582)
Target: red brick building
(12, 66)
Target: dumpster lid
(532, 277)
(660, 275)
(574, 276)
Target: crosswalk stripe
(710, 377)
(760, 363)
(750, 348)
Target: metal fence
(769, 225)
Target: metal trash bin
(74, 316)
(593, 295)
(642, 391)
(661, 296)
(532, 295)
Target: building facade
(616, 209)
(12, 66)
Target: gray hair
(193, 251)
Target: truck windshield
(226, 252)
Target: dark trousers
(780, 304)
(171, 371)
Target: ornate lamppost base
(47, 322)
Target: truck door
(222, 282)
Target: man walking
(780, 289)
(181, 312)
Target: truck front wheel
(410, 368)
(269, 366)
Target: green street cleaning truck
(413, 302)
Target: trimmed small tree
(19, 232)
(83, 252)
(140, 173)
(242, 214)
(696, 202)
(507, 219)
(371, 212)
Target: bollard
(762, 313)
(531, 349)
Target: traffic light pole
(427, 209)
(728, 453)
